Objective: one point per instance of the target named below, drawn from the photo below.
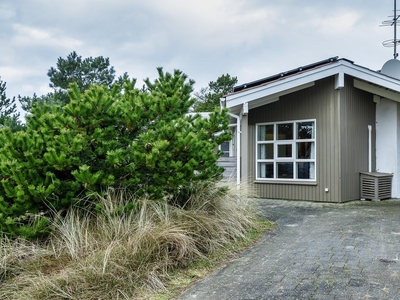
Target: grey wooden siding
(357, 111)
(342, 119)
(320, 102)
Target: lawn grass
(154, 251)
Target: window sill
(289, 182)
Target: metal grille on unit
(376, 186)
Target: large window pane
(266, 151)
(285, 150)
(265, 133)
(305, 130)
(306, 170)
(265, 170)
(285, 131)
(285, 170)
(305, 150)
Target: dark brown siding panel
(320, 102)
(357, 112)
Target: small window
(305, 130)
(286, 151)
(266, 151)
(225, 148)
(266, 133)
(285, 131)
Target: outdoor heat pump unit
(375, 186)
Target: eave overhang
(377, 90)
(272, 91)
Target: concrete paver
(318, 251)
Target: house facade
(306, 134)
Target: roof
(284, 74)
(269, 89)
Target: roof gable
(269, 89)
(279, 76)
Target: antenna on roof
(393, 22)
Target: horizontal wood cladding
(320, 102)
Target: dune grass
(120, 253)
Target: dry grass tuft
(14, 254)
(117, 252)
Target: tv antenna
(393, 22)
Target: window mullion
(293, 145)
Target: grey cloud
(249, 39)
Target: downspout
(369, 148)
(238, 145)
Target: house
(308, 133)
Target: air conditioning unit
(375, 186)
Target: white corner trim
(339, 81)
(245, 108)
(377, 99)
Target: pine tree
(73, 69)
(139, 139)
(208, 99)
(8, 110)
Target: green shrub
(141, 140)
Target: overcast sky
(250, 39)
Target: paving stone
(323, 297)
(324, 287)
(319, 251)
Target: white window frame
(293, 159)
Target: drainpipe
(238, 143)
(238, 139)
(369, 148)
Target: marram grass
(117, 254)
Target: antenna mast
(394, 42)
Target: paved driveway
(318, 251)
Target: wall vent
(376, 186)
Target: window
(286, 151)
(224, 147)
